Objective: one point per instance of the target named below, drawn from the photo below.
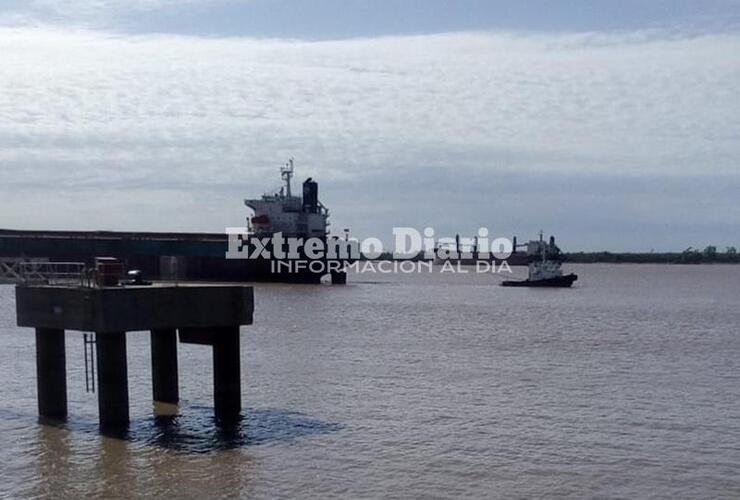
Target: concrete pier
(51, 373)
(203, 314)
(227, 392)
(110, 349)
(165, 388)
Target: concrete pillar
(51, 373)
(165, 389)
(227, 393)
(112, 379)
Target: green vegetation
(709, 255)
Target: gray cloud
(88, 12)
(396, 122)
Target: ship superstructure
(544, 264)
(282, 212)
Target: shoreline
(650, 258)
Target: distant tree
(731, 250)
(690, 256)
(710, 251)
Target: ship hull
(559, 282)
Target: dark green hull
(199, 256)
(559, 282)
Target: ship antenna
(287, 174)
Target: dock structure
(200, 314)
(199, 257)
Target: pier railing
(54, 273)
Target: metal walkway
(39, 271)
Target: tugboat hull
(558, 282)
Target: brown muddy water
(419, 386)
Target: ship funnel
(311, 196)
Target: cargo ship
(187, 256)
(461, 254)
(292, 217)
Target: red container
(108, 271)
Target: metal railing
(10, 271)
(54, 273)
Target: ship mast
(542, 246)
(287, 173)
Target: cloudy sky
(613, 124)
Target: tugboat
(544, 266)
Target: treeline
(709, 255)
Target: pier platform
(201, 314)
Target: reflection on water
(196, 432)
(626, 386)
(114, 462)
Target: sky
(614, 125)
